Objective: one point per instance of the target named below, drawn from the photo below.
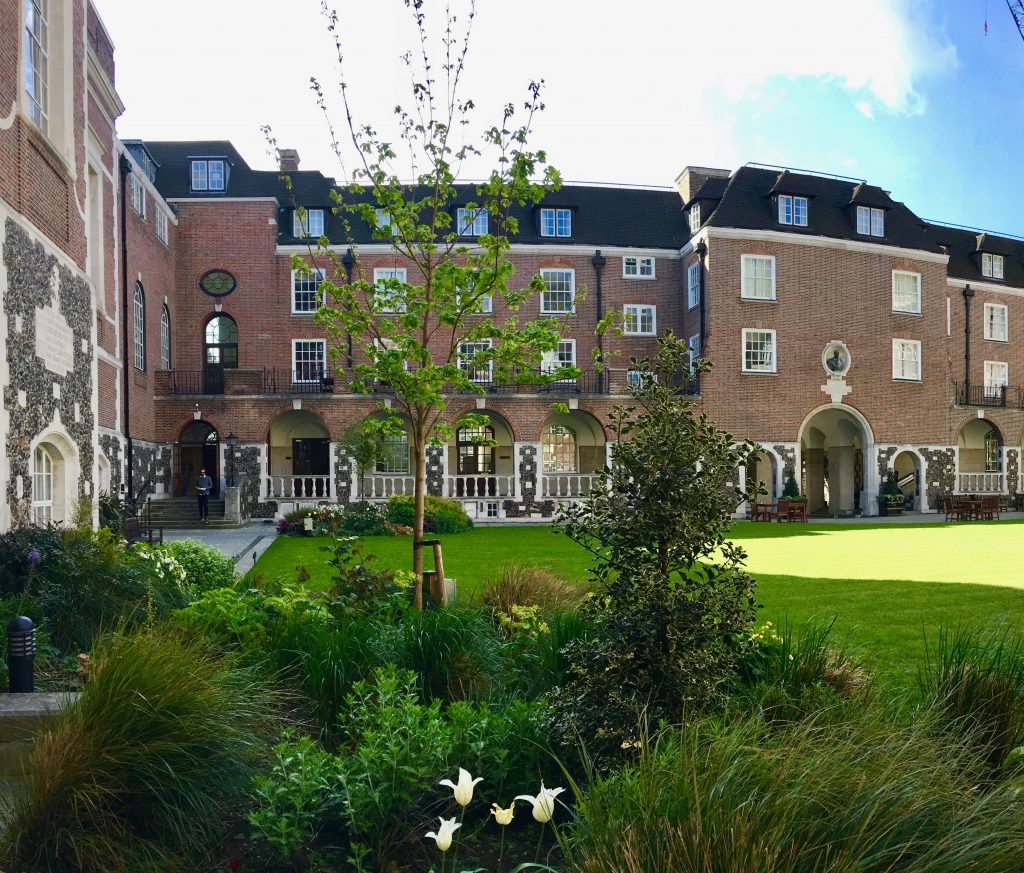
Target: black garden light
(21, 654)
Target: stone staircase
(182, 513)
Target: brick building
(151, 312)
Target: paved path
(245, 544)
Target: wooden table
(764, 511)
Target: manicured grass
(886, 584)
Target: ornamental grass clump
(144, 769)
(871, 794)
(973, 680)
(521, 584)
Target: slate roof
(602, 215)
(964, 245)
(748, 203)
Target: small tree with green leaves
(672, 596)
(365, 446)
(421, 337)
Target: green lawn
(886, 584)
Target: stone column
(437, 469)
(814, 467)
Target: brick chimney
(289, 159)
(689, 181)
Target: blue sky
(909, 94)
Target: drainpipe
(968, 293)
(599, 261)
(702, 253)
(125, 167)
(348, 261)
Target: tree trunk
(417, 525)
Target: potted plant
(890, 500)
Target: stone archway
(980, 451)
(299, 455)
(198, 449)
(572, 450)
(764, 468)
(836, 447)
(910, 474)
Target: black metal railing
(969, 394)
(186, 382)
(304, 380)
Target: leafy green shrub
(790, 490)
(244, 618)
(360, 519)
(144, 768)
(394, 750)
(520, 584)
(298, 800)
(441, 514)
(113, 511)
(359, 589)
(974, 681)
(205, 567)
(869, 794)
(84, 580)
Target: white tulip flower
(543, 803)
(443, 837)
(464, 790)
(503, 816)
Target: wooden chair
(798, 511)
(989, 508)
(951, 509)
(782, 510)
(134, 532)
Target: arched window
(475, 450)
(558, 449)
(395, 458)
(165, 338)
(42, 487)
(991, 452)
(140, 327)
(220, 352)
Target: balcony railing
(383, 485)
(305, 380)
(186, 382)
(299, 487)
(969, 394)
(481, 486)
(561, 485)
(981, 483)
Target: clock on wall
(217, 283)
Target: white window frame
(992, 266)
(775, 350)
(161, 226)
(694, 218)
(555, 222)
(382, 274)
(746, 292)
(990, 322)
(308, 225)
(870, 221)
(992, 385)
(467, 351)
(638, 267)
(37, 65)
(898, 371)
(553, 360)
(693, 285)
(42, 486)
(139, 326)
(384, 222)
(223, 171)
(790, 209)
(693, 344)
(545, 308)
(386, 465)
(137, 194)
(635, 312)
(305, 277)
(896, 305)
(471, 222)
(202, 170)
(165, 338)
(300, 369)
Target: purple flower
(33, 557)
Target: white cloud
(634, 90)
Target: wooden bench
(134, 532)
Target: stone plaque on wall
(55, 341)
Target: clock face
(217, 283)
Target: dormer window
(870, 221)
(556, 222)
(208, 174)
(793, 210)
(695, 218)
(310, 223)
(471, 222)
(992, 266)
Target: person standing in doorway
(203, 485)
